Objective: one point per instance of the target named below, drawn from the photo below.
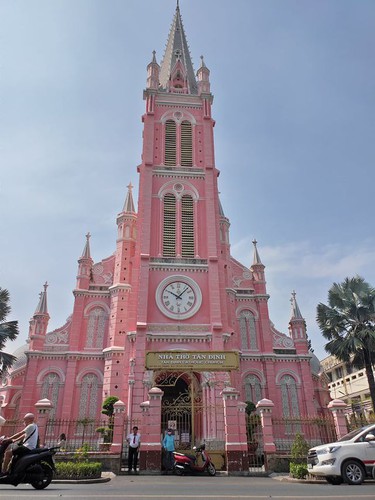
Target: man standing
(29, 436)
(134, 441)
(169, 448)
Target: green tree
(348, 322)
(8, 331)
(108, 409)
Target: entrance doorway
(182, 408)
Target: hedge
(78, 470)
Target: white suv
(350, 459)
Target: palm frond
(8, 331)
(6, 361)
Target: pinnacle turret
(177, 54)
(295, 312)
(129, 203)
(256, 258)
(42, 305)
(86, 251)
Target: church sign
(203, 361)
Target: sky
(294, 104)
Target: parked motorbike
(35, 468)
(185, 463)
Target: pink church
(170, 309)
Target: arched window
(248, 331)
(187, 226)
(50, 390)
(169, 226)
(170, 143)
(89, 396)
(253, 389)
(289, 396)
(96, 328)
(186, 144)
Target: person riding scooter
(29, 436)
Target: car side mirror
(370, 437)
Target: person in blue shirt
(169, 448)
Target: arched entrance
(182, 407)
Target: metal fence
(255, 442)
(315, 430)
(87, 432)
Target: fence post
(118, 426)
(337, 407)
(150, 455)
(265, 407)
(43, 408)
(235, 432)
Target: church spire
(177, 53)
(42, 305)
(85, 263)
(295, 313)
(86, 251)
(256, 258)
(129, 203)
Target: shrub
(297, 467)
(78, 470)
(298, 471)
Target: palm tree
(349, 325)
(8, 331)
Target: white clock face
(178, 297)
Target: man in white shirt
(29, 436)
(134, 441)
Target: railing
(315, 430)
(78, 433)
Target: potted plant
(106, 433)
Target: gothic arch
(169, 188)
(258, 373)
(248, 329)
(250, 308)
(86, 371)
(253, 388)
(52, 369)
(93, 305)
(287, 371)
(178, 116)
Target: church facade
(170, 308)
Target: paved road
(191, 488)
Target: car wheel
(334, 479)
(353, 472)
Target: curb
(106, 477)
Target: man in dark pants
(134, 442)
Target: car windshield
(353, 434)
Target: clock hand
(182, 292)
(177, 296)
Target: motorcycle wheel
(211, 470)
(178, 471)
(42, 483)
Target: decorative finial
(254, 242)
(178, 4)
(130, 186)
(88, 236)
(45, 286)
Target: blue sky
(294, 91)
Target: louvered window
(170, 143)
(186, 144)
(187, 226)
(169, 233)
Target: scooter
(185, 463)
(35, 468)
